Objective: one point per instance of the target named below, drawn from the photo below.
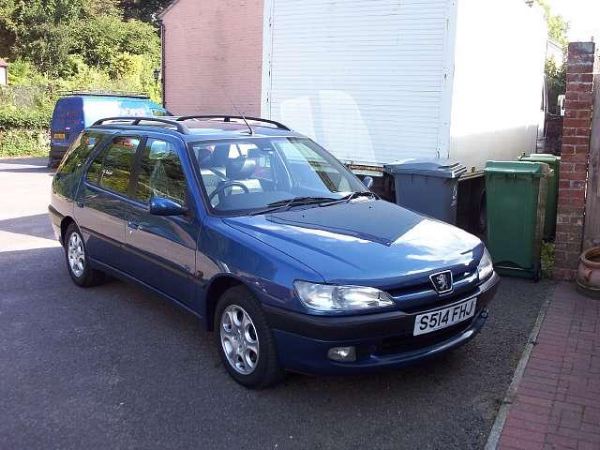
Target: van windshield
(262, 174)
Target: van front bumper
(382, 340)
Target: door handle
(133, 226)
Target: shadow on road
(37, 225)
(36, 161)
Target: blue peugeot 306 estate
(271, 242)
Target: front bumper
(382, 340)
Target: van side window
(79, 151)
(112, 168)
(161, 173)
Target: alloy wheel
(239, 339)
(76, 254)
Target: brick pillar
(579, 105)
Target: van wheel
(77, 260)
(244, 340)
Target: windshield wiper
(352, 196)
(284, 205)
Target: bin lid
(442, 168)
(531, 168)
(541, 157)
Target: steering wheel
(227, 185)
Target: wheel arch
(217, 287)
(64, 225)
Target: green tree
(558, 27)
(144, 10)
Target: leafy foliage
(48, 33)
(557, 79)
(145, 10)
(55, 46)
(24, 142)
(18, 118)
(557, 25)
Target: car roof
(199, 128)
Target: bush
(21, 142)
(11, 119)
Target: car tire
(244, 340)
(77, 259)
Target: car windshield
(257, 175)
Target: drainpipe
(163, 64)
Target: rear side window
(160, 173)
(111, 169)
(79, 152)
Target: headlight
(325, 297)
(485, 267)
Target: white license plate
(443, 318)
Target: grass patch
(547, 259)
(19, 143)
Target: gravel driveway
(112, 367)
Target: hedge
(14, 119)
(20, 142)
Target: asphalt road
(112, 367)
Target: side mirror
(160, 206)
(368, 182)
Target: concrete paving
(112, 367)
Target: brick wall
(213, 56)
(575, 152)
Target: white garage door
(369, 80)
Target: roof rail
(136, 121)
(225, 118)
(101, 93)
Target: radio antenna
(234, 106)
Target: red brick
(561, 441)
(525, 433)
(574, 140)
(585, 445)
(199, 78)
(579, 434)
(576, 123)
(592, 415)
(580, 86)
(521, 412)
(571, 419)
(580, 77)
(573, 102)
(580, 68)
(536, 401)
(513, 422)
(519, 443)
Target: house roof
(167, 9)
(3, 63)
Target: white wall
(369, 80)
(498, 80)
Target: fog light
(342, 354)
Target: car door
(102, 207)
(165, 246)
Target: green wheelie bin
(516, 204)
(552, 193)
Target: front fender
(267, 272)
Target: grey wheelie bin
(429, 187)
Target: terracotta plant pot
(588, 273)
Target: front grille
(408, 343)
(436, 302)
(425, 285)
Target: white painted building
(372, 81)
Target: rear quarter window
(79, 152)
(111, 169)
